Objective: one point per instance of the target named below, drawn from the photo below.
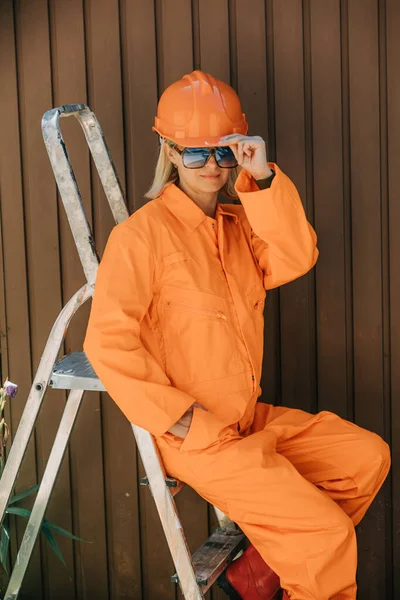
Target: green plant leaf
(4, 543)
(21, 512)
(53, 544)
(46, 529)
(48, 534)
(24, 494)
(62, 531)
(26, 513)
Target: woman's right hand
(181, 427)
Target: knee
(341, 527)
(374, 454)
(378, 450)
(383, 451)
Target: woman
(176, 336)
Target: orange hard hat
(197, 110)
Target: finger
(240, 153)
(247, 149)
(233, 138)
(237, 137)
(234, 149)
(185, 421)
(179, 430)
(233, 135)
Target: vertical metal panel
(139, 74)
(251, 74)
(42, 239)
(214, 38)
(174, 40)
(385, 268)
(332, 360)
(296, 302)
(16, 328)
(367, 265)
(271, 377)
(347, 214)
(393, 147)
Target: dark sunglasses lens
(195, 158)
(225, 157)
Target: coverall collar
(186, 210)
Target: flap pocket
(175, 257)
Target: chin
(212, 188)
(211, 185)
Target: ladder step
(214, 556)
(74, 372)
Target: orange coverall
(177, 319)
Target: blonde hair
(166, 173)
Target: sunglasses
(196, 158)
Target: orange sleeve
(283, 241)
(132, 377)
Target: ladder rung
(214, 555)
(74, 372)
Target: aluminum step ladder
(195, 574)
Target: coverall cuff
(246, 183)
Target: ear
(170, 153)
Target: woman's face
(209, 179)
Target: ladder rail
(67, 184)
(168, 514)
(104, 164)
(43, 496)
(36, 395)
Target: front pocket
(199, 339)
(205, 430)
(175, 257)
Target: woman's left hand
(250, 152)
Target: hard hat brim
(198, 142)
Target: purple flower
(10, 389)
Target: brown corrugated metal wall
(320, 82)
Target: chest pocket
(198, 336)
(174, 258)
